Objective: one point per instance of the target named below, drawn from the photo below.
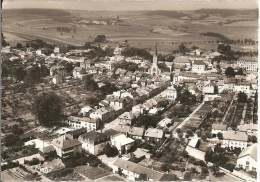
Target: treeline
(217, 35)
(132, 51)
(170, 14)
(228, 12)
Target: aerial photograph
(129, 90)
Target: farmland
(140, 29)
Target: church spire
(156, 49)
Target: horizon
(130, 5)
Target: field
(140, 29)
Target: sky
(130, 5)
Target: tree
(166, 166)
(4, 43)
(92, 101)
(242, 97)
(16, 130)
(215, 170)
(220, 136)
(183, 49)
(110, 151)
(178, 130)
(240, 71)
(48, 108)
(90, 84)
(100, 39)
(204, 171)
(11, 140)
(198, 132)
(230, 72)
(254, 139)
(187, 176)
(19, 45)
(208, 155)
(19, 73)
(180, 135)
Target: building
(60, 49)
(136, 172)
(65, 146)
(170, 93)
(198, 66)
(234, 139)
(104, 114)
(183, 62)
(218, 128)
(84, 122)
(126, 118)
(247, 159)
(122, 143)
(136, 132)
(78, 72)
(154, 135)
(164, 122)
(249, 129)
(95, 142)
(209, 87)
(250, 64)
(155, 70)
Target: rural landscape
(147, 95)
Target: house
(60, 49)
(105, 114)
(242, 87)
(136, 132)
(87, 63)
(154, 135)
(138, 109)
(164, 123)
(136, 172)
(247, 159)
(94, 142)
(198, 66)
(74, 134)
(234, 139)
(65, 146)
(218, 128)
(249, 129)
(122, 129)
(78, 72)
(170, 93)
(47, 151)
(182, 61)
(86, 110)
(122, 143)
(126, 118)
(229, 84)
(250, 64)
(193, 149)
(84, 122)
(58, 79)
(209, 87)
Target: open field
(141, 29)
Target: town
(97, 112)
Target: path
(187, 119)
(231, 103)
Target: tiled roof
(136, 131)
(235, 135)
(64, 143)
(154, 133)
(251, 151)
(150, 173)
(219, 126)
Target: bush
(32, 162)
(166, 167)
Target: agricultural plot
(194, 122)
(139, 29)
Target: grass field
(141, 30)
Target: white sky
(129, 5)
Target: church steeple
(156, 53)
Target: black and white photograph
(129, 90)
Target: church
(155, 70)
